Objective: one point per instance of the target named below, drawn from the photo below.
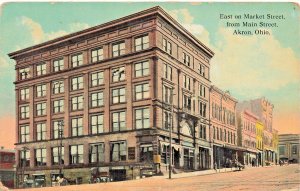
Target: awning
(237, 148)
(146, 145)
(175, 146)
(252, 150)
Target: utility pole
(170, 134)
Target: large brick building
(107, 91)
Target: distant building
(7, 169)
(263, 109)
(259, 142)
(288, 146)
(223, 130)
(247, 137)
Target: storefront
(204, 158)
(39, 180)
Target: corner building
(108, 89)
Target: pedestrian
(215, 166)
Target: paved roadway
(275, 178)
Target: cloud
(35, 28)
(39, 35)
(252, 65)
(185, 18)
(3, 63)
(182, 15)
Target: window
(141, 69)
(41, 109)
(281, 150)
(118, 49)
(77, 103)
(24, 158)
(24, 133)
(96, 152)
(76, 154)
(118, 95)
(214, 134)
(97, 55)
(58, 106)
(167, 72)
(58, 65)
(77, 128)
(187, 102)
(118, 74)
(294, 149)
(202, 109)
(142, 118)
(202, 90)
(188, 158)
(186, 82)
(24, 94)
(167, 119)
(40, 69)
(202, 131)
(24, 73)
(96, 79)
(58, 153)
(40, 157)
(96, 124)
(97, 99)
(167, 46)
(58, 129)
(77, 83)
(40, 131)
(142, 91)
(146, 153)
(167, 94)
(186, 59)
(141, 43)
(165, 156)
(77, 60)
(41, 90)
(119, 121)
(58, 87)
(118, 151)
(24, 110)
(202, 70)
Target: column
(31, 113)
(66, 107)
(86, 104)
(128, 96)
(106, 101)
(48, 110)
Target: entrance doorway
(118, 175)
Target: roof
(142, 14)
(226, 93)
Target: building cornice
(121, 22)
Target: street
(272, 178)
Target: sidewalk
(197, 173)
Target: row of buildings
(106, 97)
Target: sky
(248, 66)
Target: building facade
(259, 142)
(7, 167)
(223, 130)
(247, 137)
(288, 146)
(263, 109)
(106, 98)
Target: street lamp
(60, 132)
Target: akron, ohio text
(248, 32)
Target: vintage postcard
(149, 96)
